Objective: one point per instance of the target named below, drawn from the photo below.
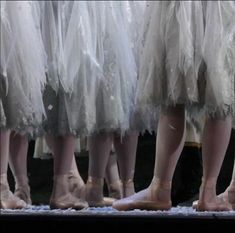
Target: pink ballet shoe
(152, 198)
(94, 193)
(115, 190)
(23, 193)
(76, 186)
(22, 189)
(62, 198)
(7, 199)
(208, 201)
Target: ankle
(162, 184)
(208, 183)
(128, 187)
(94, 191)
(115, 189)
(95, 181)
(21, 181)
(160, 190)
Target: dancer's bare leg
(76, 183)
(112, 177)
(169, 145)
(61, 197)
(99, 150)
(126, 148)
(7, 199)
(214, 145)
(18, 165)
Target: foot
(227, 198)
(155, 197)
(116, 190)
(23, 193)
(208, 201)
(7, 199)
(22, 188)
(66, 202)
(94, 193)
(77, 187)
(62, 198)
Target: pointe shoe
(62, 198)
(208, 200)
(23, 193)
(115, 190)
(22, 189)
(94, 193)
(128, 188)
(152, 198)
(7, 199)
(76, 186)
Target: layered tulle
(116, 90)
(219, 57)
(171, 56)
(72, 67)
(187, 58)
(98, 77)
(22, 66)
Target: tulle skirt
(22, 68)
(99, 76)
(187, 58)
(114, 106)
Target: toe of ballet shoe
(127, 204)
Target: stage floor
(110, 220)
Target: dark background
(186, 180)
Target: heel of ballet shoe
(77, 186)
(23, 192)
(94, 193)
(62, 198)
(22, 188)
(116, 189)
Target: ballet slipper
(94, 193)
(62, 198)
(22, 189)
(224, 201)
(109, 201)
(152, 198)
(128, 188)
(77, 186)
(7, 199)
(115, 190)
(208, 201)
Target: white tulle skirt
(219, 57)
(185, 60)
(114, 106)
(22, 68)
(97, 70)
